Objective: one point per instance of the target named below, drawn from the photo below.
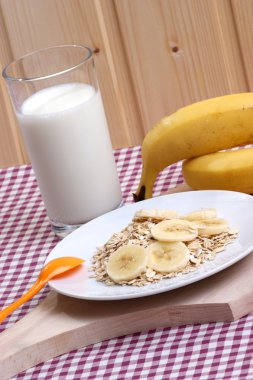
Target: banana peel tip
(140, 196)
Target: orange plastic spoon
(52, 269)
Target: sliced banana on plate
(156, 214)
(167, 257)
(205, 213)
(127, 263)
(168, 253)
(211, 227)
(175, 230)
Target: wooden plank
(242, 12)
(115, 78)
(11, 147)
(180, 52)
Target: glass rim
(37, 78)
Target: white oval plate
(237, 208)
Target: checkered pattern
(208, 351)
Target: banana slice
(127, 263)
(174, 230)
(205, 213)
(155, 214)
(213, 226)
(167, 257)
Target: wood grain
(116, 85)
(180, 52)
(11, 150)
(242, 11)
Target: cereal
(202, 249)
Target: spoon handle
(37, 286)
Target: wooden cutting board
(60, 324)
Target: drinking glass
(57, 101)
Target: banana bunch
(198, 130)
(168, 253)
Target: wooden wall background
(152, 56)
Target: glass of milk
(58, 104)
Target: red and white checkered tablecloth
(206, 352)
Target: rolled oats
(202, 249)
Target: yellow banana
(231, 170)
(195, 130)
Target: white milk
(65, 131)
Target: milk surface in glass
(65, 131)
